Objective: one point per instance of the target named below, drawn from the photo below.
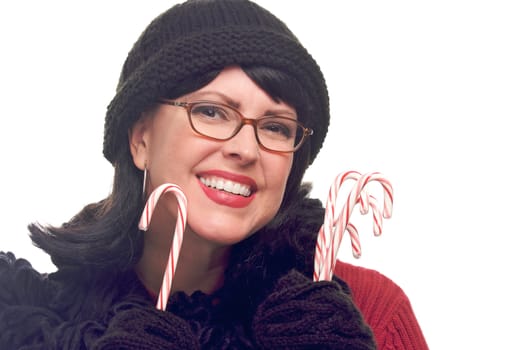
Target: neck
(200, 267)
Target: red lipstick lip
(245, 180)
(226, 198)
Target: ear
(138, 140)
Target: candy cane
(326, 230)
(357, 195)
(331, 233)
(377, 216)
(144, 223)
(377, 225)
(355, 242)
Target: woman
(220, 98)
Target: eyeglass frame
(306, 132)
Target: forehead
(233, 87)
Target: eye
(210, 112)
(278, 128)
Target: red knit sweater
(385, 307)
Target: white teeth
(227, 186)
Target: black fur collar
(77, 308)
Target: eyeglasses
(218, 121)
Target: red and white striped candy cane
(357, 195)
(332, 231)
(355, 241)
(326, 232)
(377, 225)
(144, 223)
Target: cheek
(168, 155)
(174, 159)
(279, 172)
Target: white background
(431, 94)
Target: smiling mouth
(226, 186)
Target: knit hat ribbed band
(200, 36)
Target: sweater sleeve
(385, 307)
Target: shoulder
(60, 308)
(377, 296)
(384, 305)
(24, 298)
(20, 282)
(369, 285)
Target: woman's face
(174, 153)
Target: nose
(243, 147)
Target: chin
(223, 237)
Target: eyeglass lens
(277, 133)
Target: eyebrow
(232, 103)
(225, 99)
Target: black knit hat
(200, 36)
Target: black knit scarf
(268, 301)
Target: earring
(145, 177)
